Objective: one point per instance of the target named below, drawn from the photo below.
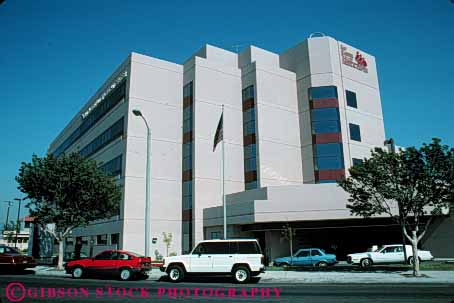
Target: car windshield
(9, 250)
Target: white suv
(241, 259)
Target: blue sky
(55, 54)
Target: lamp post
(7, 215)
(17, 222)
(138, 113)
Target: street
(32, 288)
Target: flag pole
(223, 175)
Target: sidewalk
(315, 277)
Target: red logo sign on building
(357, 61)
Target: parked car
(241, 259)
(387, 254)
(12, 259)
(307, 257)
(120, 263)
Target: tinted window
(248, 247)
(315, 252)
(321, 127)
(124, 257)
(357, 161)
(351, 99)
(355, 132)
(322, 92)
(107, 255)
(303, 253)
(329, 156)
(217, 248)
(251, 185)
(325, 114)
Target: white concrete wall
(157, 90)
(217, 81)
(277, 135)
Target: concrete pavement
(316, 276)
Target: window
(123, 256)
(217, 248)
(302, 254)
(114, 239)
(357, 161)
(328, 156)
(106, 255)
(322, 92)
(114, 98)
(251, 185)
(215, 235)
(27, 225)
(248, 247)
(315, 252)
(113, 132)
(200, 249)
(248, 93)
(113, 167)
(325, 120)
(101, 239)
(351, 99)
(355, 132)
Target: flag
(218, 136)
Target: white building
(291, 121)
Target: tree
(288, 232)
(167, 240)
(66, 192)
(411, 186)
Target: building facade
(291, 122)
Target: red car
(120, 263)
(11, 259)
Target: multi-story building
(291, 121)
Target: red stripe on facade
(187, 175)
(324, 103)
(327, 138)
(247, 104)
(330, 174)
(187, 215)
(187, 137)
(250, 176)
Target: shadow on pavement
(208, 279)
(16, 272)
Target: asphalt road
(31, 288)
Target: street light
(138, 113)
(17, 222)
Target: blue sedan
(306, 257)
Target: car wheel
(77, 272)
(125, 274)
(176, 273)
(365, 263)
(241, 274)
(322, 264)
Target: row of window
(224, 248)
(109, 135)
(187, 187)
(113, 167)
(249, 129)
(115, 97)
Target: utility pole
(17, 222)
(7, 215)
